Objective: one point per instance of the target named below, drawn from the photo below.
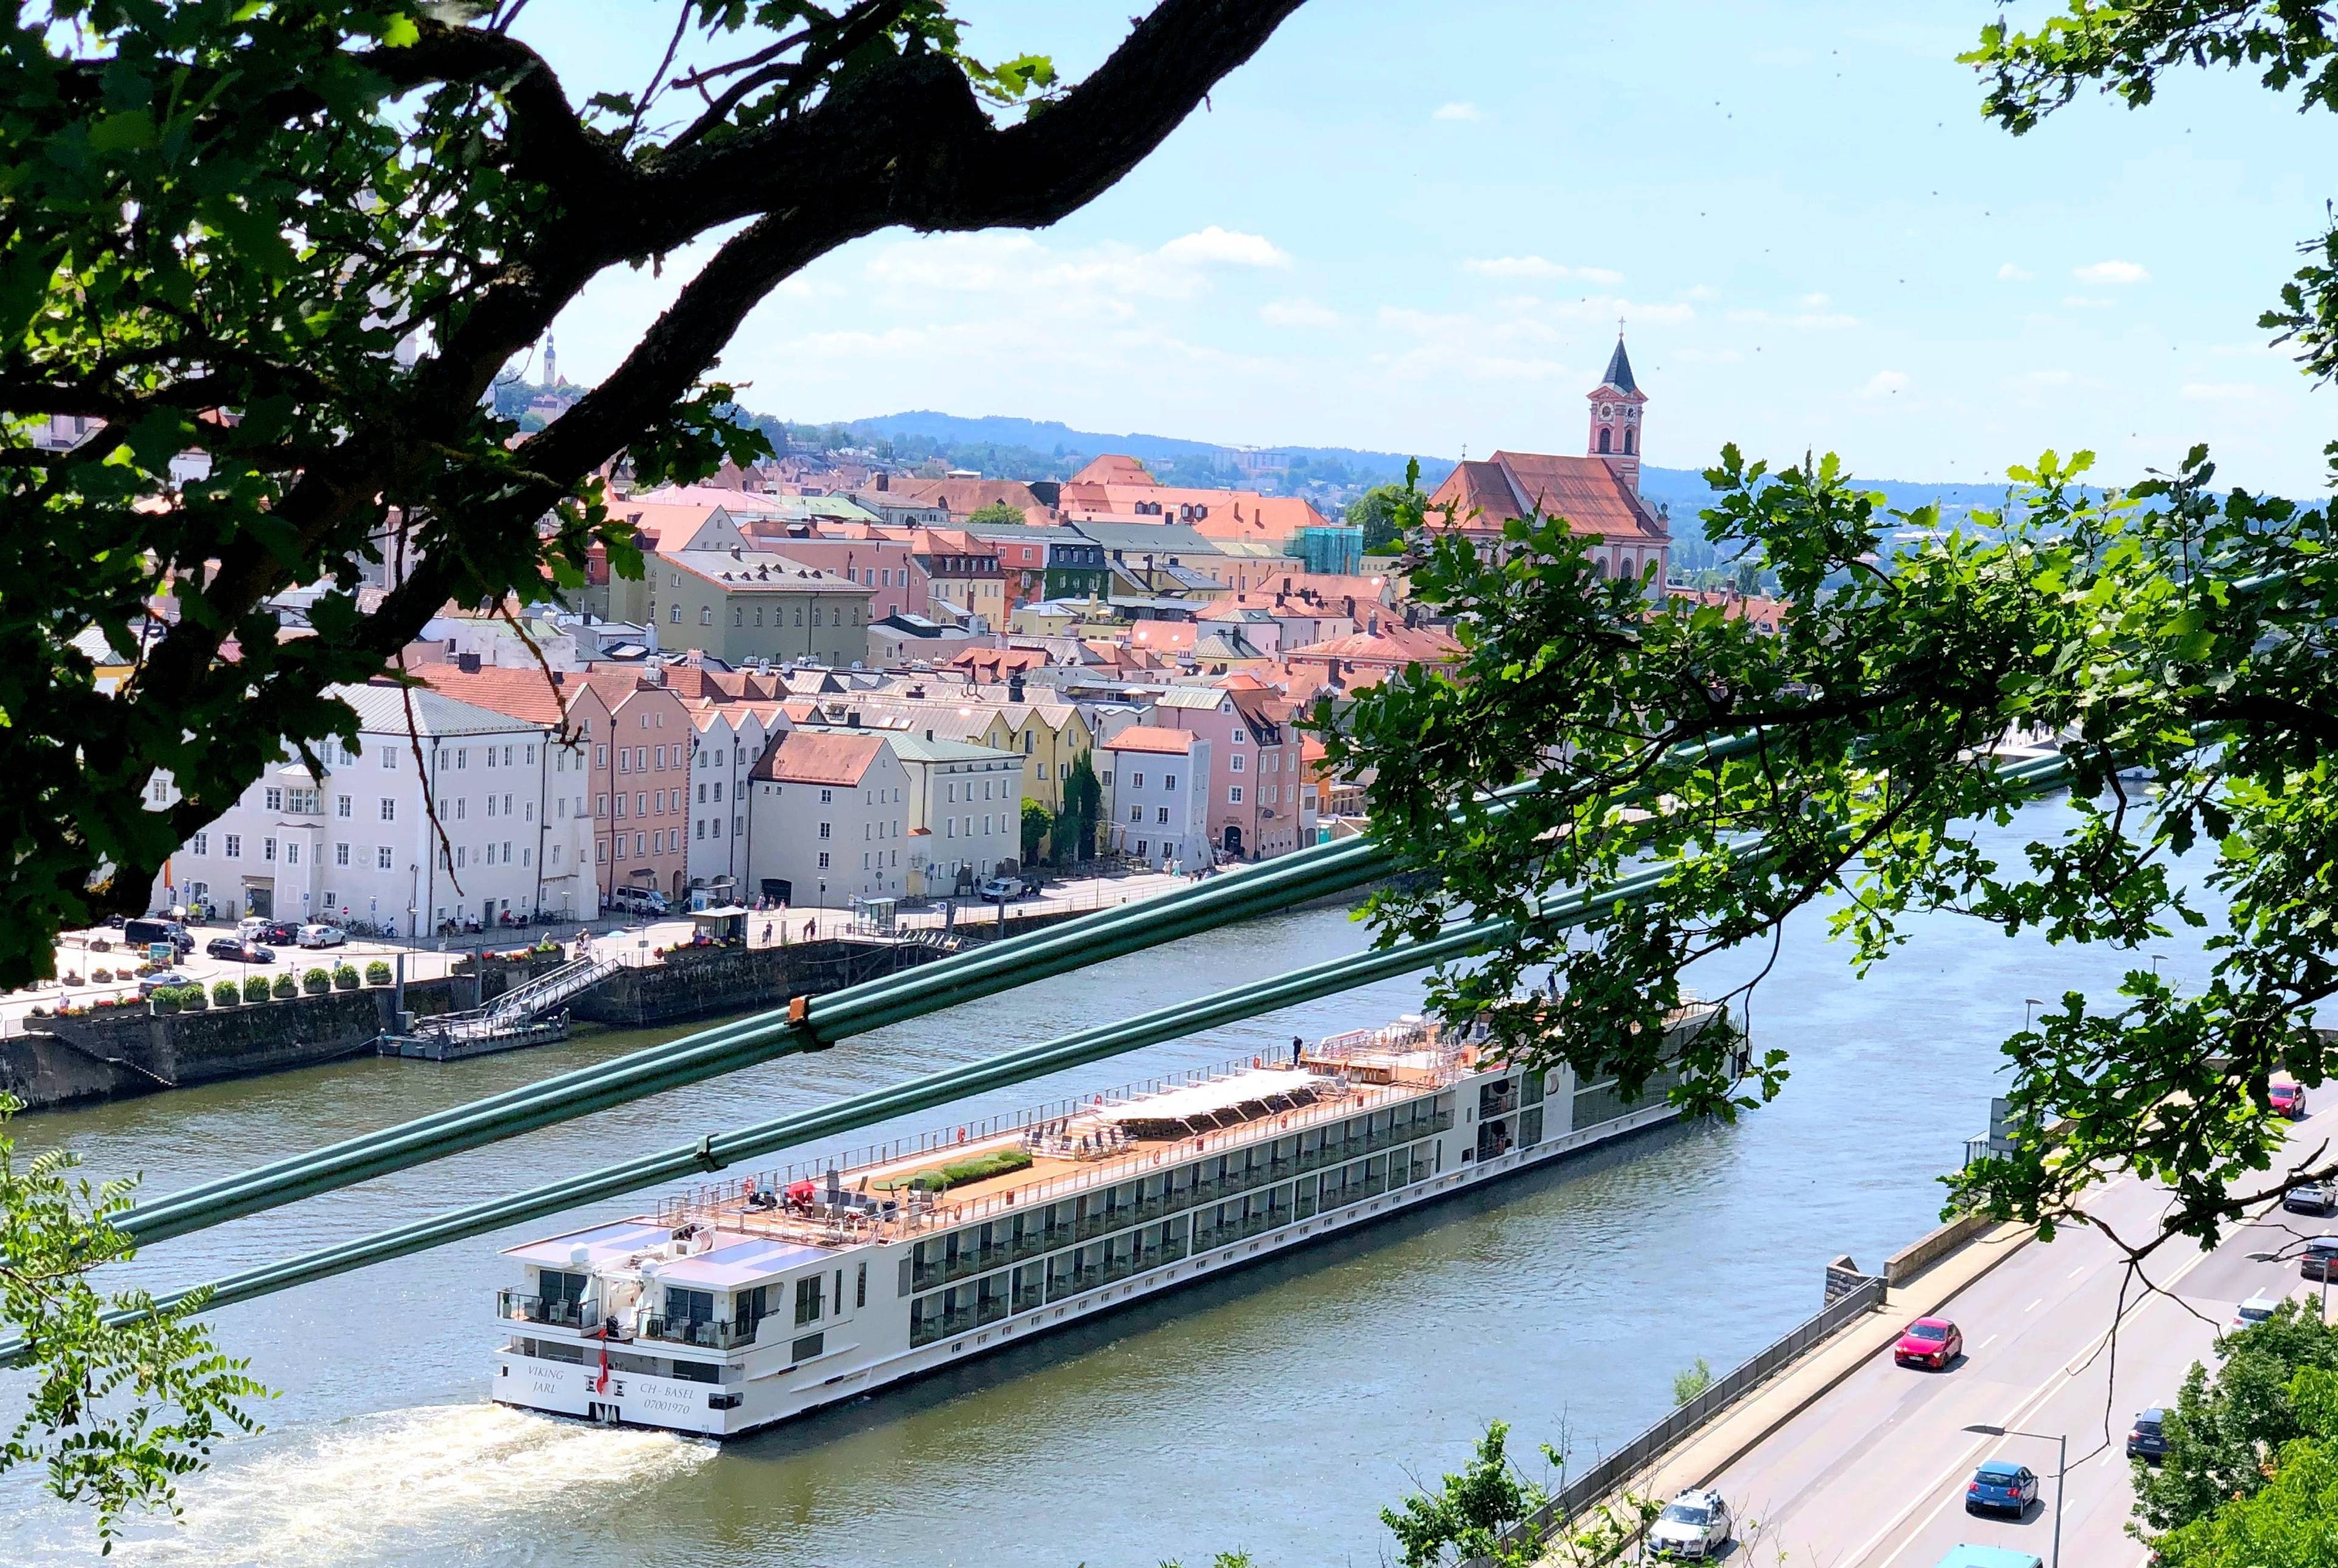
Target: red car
(2287, 1099)
(1931, 1342)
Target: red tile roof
(810, 757)
(1150, 738)
(1585, 491)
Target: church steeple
(1615, 404)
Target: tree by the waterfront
(2225, 1433)
(116, 1411)
(2178, 637)
(1386, 511)
(305, 238)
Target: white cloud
(1459, 110)
(2111, 272)
(1297, 313)
(2083, 303)
(2220, 391)
(1101, 281)
(2049, 378)
(1224, 247)
(1539, 267)
(1814, 300)
(1702, 291)
(2009, 273)
(1884, 384)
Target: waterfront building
(1157, 794)
(733, 736)
(966, 812)
(1119, 489)
(962, 571)
(1598, 493)
(828, 820)
(353, 838)
(1256, 806)
(882, 564)
(1046, 563)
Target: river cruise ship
(749, 1301)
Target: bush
(224, 995)
(166, 1000)
(255, 988)
(192, 999)
(942, 1178)
(100, 977)
(39, 1011)
(378, 973)
(316, 982)
(285, 988)
(345, 977)
(1693, 1381)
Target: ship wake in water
(391, 1488)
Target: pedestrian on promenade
(1297, 1044)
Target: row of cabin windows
(958, 1307)
(1046, 1228)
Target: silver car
(1693, 1526)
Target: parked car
(2001, 1486)
(2148, 1439)
(2320, 1259)
(1693, 1525)
(637, 900)
(2287, 1099)
(150, 984)
(1003, 889)
(1933, 1342)
(2253, 1311)
(238, 950)
(144, 932)
(2309, 1198)
(283, 932)
(322, 937)
(113, 922)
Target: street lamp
(2029, 1005)
(2061, 1463)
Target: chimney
(734, 554)
(852, 718)
(1014, 686)
(884, 481)
(468, 664)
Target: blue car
(1989, 1557)
(2001, 1486)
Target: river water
(1273, 1410)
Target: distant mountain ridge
(1683, 490)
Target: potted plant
(69, 979)
(316, 982)
(102, 977)
(224, 995)
(191, 999)
(345, 977)
(285, 988)
(378, 973)
(255, 988)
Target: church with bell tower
(1597, 493)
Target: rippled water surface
(1274, 1410)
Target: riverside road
(1874, 1475)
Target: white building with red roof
(1597, 494)
(828, 820)
(1156, 785)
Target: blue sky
(1413, 226)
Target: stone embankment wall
(129, 1050)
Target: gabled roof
(1152, 738)
(1587, 492)
(381, 708)
(1112, 468)
(522, 694)
(816, 757)
(1389, 646)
